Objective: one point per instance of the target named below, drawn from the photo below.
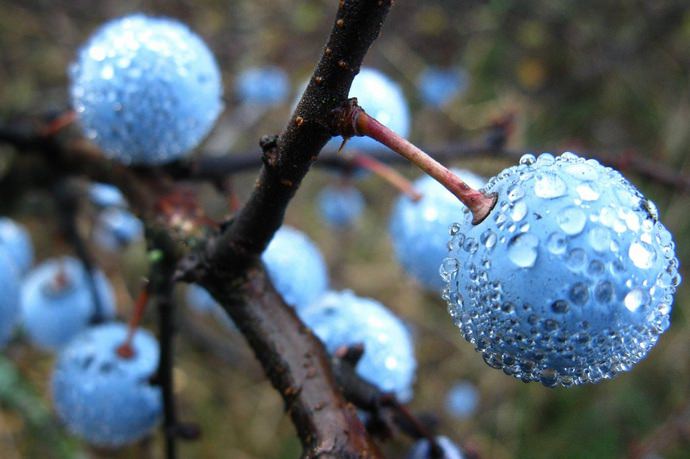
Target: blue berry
(571, 277)
(266, 86)
(421, 449)
(146, 90)
(201, 301)
(340, 206)
(438, 86)
(57, 304)
(462, 400)
(344, 319)
(102, 397)
(9, 300)
(115, 228)
(419, 230)
(16, 241)
(106, 195)
(296, 267)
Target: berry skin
(116, 228)
(462, 400)
(265, 86)
(146, 90)
(56, 301)
(570, 278)
(16, 241)
(340, 206)
(296, 267)
(200, 301)
(102, 397)
(438, 86)
(419, 230)
(106, 195)
(344, 319)
(420, 450)
(9, 300)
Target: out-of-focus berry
(102, 397)
(296, 267)
(146, 90)
(439, 86)
(57, 303)
(266, 86)
(340, 206)
(344, 319)
(421, 449)
(16, 241)
(419, 230)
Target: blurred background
(591, 76)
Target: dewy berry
(16, 241)
(116, 228)
(344, 319)
(146, 90)
(419, 230)
(106, 195)
(570, 278)
(265, 86)
(438, 86)
(296, 267)
(462, 400)
(105, 398)
(9, 300)
(57, 303)
(421, 449)
(340, 206)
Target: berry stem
(388, 174)
(126, 350)
(60, 122)
(479, 203)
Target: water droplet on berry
(519, 211)
(448, 268)
(527, 159)
(522, 250)
(579, 293)
(576, 259)
(595, 268)
(545, 159)
(603, 292)
(642, 254)
(599, 238)
(549, 186)
(557, 243)
(572, 220)
(635, 299)
(559, 307)
(587, 192)
(488, 238)
(515, 192)
(470, 245)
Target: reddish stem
(388, 174)
(479, 203)
(126, 350)
(59, 123)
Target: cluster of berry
(570, 279)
